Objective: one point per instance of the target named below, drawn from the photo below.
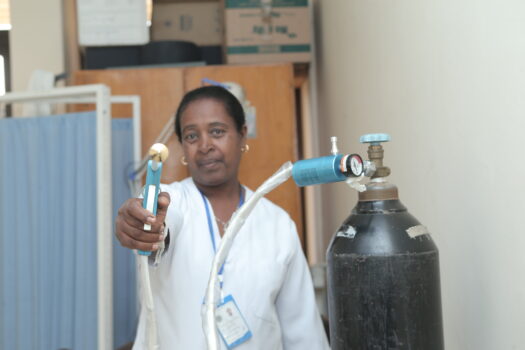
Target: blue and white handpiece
(158, 154)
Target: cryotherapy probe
(158, 153)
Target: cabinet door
(160, 91)
(270, 88)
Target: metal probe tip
(158, 152)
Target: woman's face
(211, 143)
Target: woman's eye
(190, 137)
(217, 132)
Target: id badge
(231, 324)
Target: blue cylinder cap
(374, 139)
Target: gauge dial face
(356, 165)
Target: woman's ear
(244, 132)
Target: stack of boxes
(241, 31)
(225, 31)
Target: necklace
(222, 223)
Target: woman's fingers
(134, 214)
(163, 203)
(130, 243)
(138, 234)
(131, 220)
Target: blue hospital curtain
(125, 310)
(48, 282)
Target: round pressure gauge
(354, 165)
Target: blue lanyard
(210, 228)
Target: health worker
(265, 281)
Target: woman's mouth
(208, 163)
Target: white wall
(447, 80)
(36, 39)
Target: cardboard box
(255, 35)
(198, 22)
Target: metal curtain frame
(134, 100)
(100, 95)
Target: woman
(266, 272)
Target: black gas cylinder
(383, 277)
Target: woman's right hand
(130, 224)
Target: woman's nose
(205, 144)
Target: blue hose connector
(328, 169)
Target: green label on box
(240, 50)
(244, 4)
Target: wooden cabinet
(160, 92)
(270, 88)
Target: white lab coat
(265, 272)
